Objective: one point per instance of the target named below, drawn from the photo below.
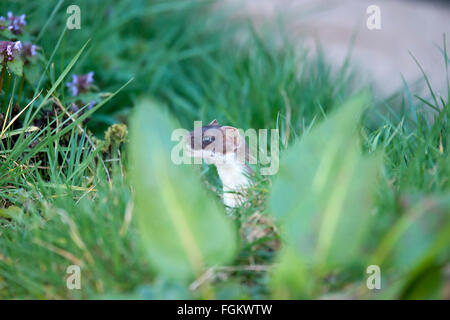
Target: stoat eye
(207, 140)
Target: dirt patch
(383, 55)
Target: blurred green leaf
(415, 250)
(163, 289)
(421, 234)
(182, 228)
(10, 212)
(426, 285)
(322, 195)
(16, 67)
(290, 280)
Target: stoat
(224, 147)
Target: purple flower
(10, 49)
(91, 104)
(74, 107)
(29, 51)
(80, 83)
(2, 23)
(17, 23)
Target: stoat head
(216, 144)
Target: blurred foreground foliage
(362, 181)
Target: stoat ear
(213, 123)
(233, 139)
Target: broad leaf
(414, 253)
(16, 67)
(322, 195)
(182, 228)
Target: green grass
(66, 192)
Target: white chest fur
(235, 180)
